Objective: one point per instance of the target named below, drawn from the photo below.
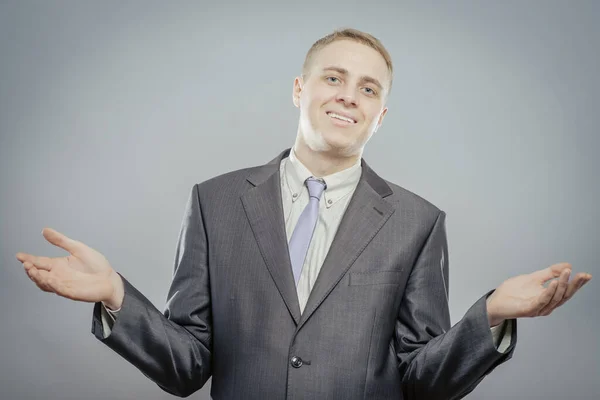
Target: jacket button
(296, 362)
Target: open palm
(526, 295)
(83, 275)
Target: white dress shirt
(332, 206)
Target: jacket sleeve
(172, 349)
(435, 360)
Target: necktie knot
(315, 187)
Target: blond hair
(354, 35)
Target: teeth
(334, 115)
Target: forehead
(359, 59)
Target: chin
(332, 141)
(339, 146)
(340, 142)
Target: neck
(321, 163)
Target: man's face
(342, 98)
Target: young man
(309, 277)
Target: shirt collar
(339, 184)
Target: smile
(339, 117)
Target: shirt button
(296, 362)
(295, 195)
(329, 201)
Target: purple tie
(306, 225)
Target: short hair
(356, 36)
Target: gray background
(111, 111)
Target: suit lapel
(264, 211)
(367, 212)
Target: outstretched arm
(174, 349)
(442, 362)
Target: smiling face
(341, 98)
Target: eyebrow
(364, 78)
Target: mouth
(341, 118)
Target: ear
(298, 86)
(380, 121)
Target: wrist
(493, 318)
(115, 301)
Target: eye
(370, 91)
(332, 79)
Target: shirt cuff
(108, 319)
(502, 341)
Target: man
(309, 277)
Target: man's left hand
(526, 296)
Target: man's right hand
(83, 275)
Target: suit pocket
(375, 278)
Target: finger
(39, 262)
(586, 280)
(551, 272)
(39, 277)
(60, 240)
(561, 289)
(559, 294)
(545, 297)
(576, 284)
(29, 264)
(24, 257)
(45, 263)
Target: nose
(347, 97)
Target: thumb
(551, 272)
(60, 240)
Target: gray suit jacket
(376, 325)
